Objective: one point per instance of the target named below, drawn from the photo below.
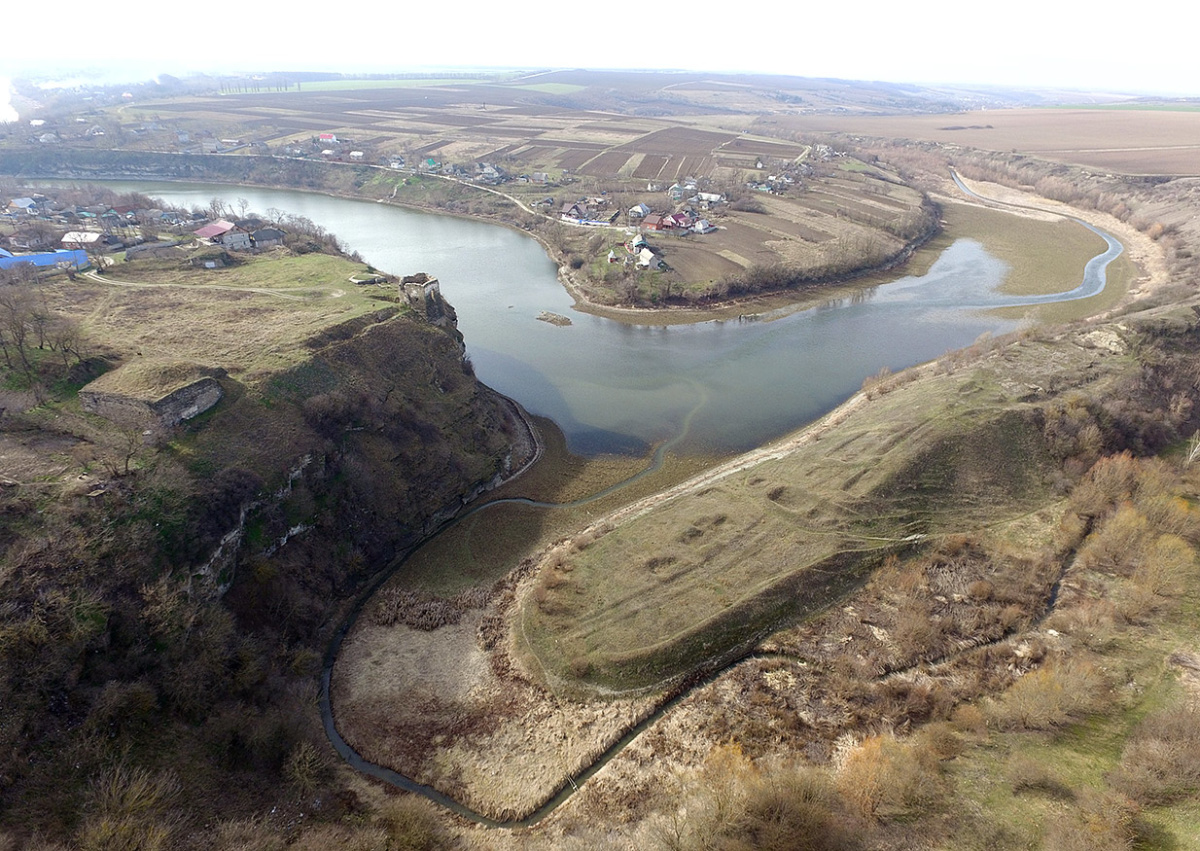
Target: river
(616, 387)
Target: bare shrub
(1091, 622)
(885, 778)
(1161, 761)
(969, 718)
(1099, 821)
(1109, 482)
(916, 633)
(130, 810)
(942, 740)
(342, 837)
(248, 835)
(306, 768)
(1029, 774)
(410, 824)
(981, 590)
(1166, 566)
(1051, 696)
(1169, 513)
(791, 810)
(1119, 544)
(735, 806)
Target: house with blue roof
(60, 258)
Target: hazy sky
(1021, 42)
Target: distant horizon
(140, 73)
(1026, 44)
(60, 75)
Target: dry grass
(674, 586)
(239, 326)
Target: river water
(614, 387)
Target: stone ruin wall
(130, 412)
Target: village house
(214, 230)
(267, 237)
(488, 173)
(573, 211)
(654, 222)
(62, 259)
(23, 206)
(227, 234)
(80, 239)
(236, 239)
(27, 240)
(639, 211)
(647, 259)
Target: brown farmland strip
(650, 166)
(432, 146)
(607, 164)
(770, 149)
(594, 147)
(679, 140)
(574, 158)
(535, 153)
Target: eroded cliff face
(175, 602)
(398, 434)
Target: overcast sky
(1024, 43)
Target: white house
(647, 259)
(80, 238)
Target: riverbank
(359, 182)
